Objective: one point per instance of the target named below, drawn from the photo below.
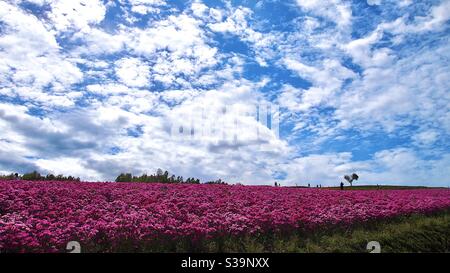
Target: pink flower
(43, 216)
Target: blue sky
(93, 88)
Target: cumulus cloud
(176, 45)
(146, 6)
(31, 60)
(76, 15)
(132, 72)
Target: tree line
(162, 177)
(159, 177)
(36, 176)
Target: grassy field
(415, 233)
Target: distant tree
(33, 176)
(172, 179)
(351, 178)
(218, 181)
(36, 176)
(7, 177)
(159, 177)
(124, 177)
(50, 177)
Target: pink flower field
(43, 216)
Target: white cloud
(199, 9)
(363, 54)
(146, 6)
(411, 91)
(404, 3)
(31, 59)
(68, 166)
(133, 72)
(76, 14)
(334, 10)
(404, 166)
(396, 166)
(97, 41)
(434, 21)
(427, 137)
(111, 118)
(326, 80)
(177, 46)
(237, 23)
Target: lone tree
(351, 178)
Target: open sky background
(89, 88)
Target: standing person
(342, 185)
(309, 186)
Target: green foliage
(159, 177)
(124, 177)
(36, 176)
(33, 176)
(12, 176)
(219, 181)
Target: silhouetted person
(342, 185)
(275, 184)
(309, 186)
